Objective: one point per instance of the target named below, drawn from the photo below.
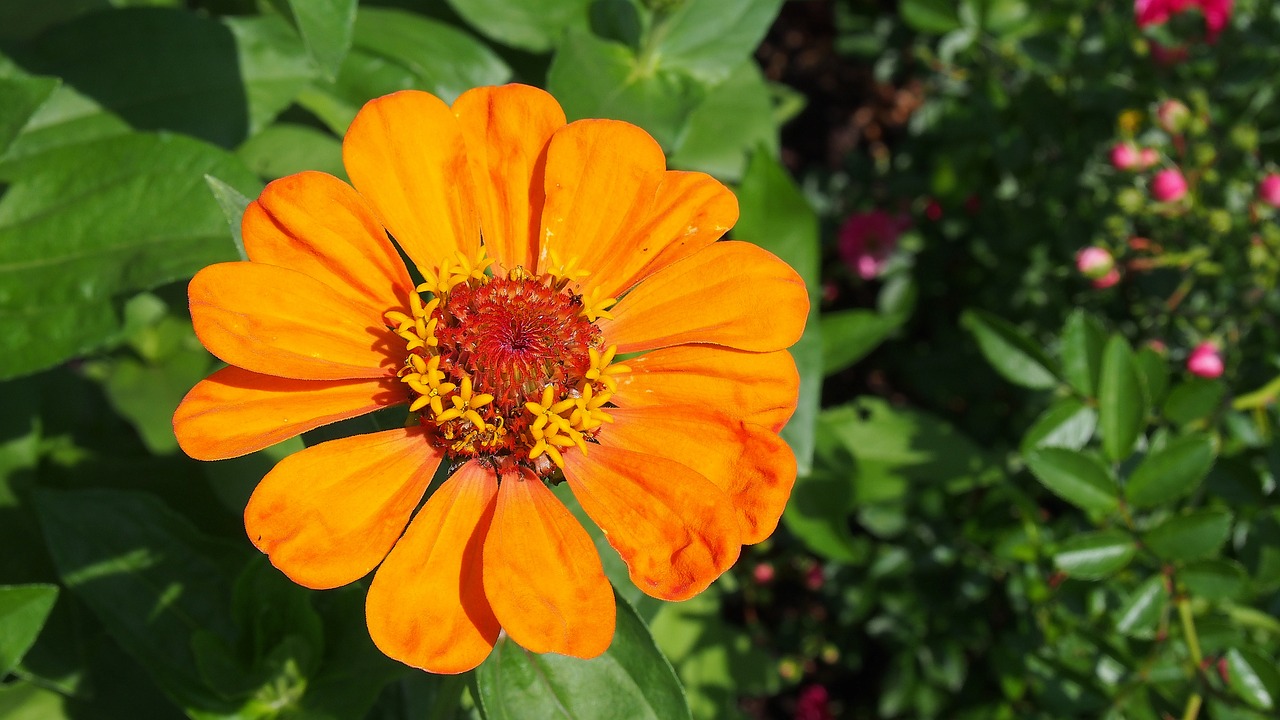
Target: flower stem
(1193, 646)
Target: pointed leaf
(1189, 536)
(1253, 677)
(1214, 578)
(1171, 472)
(1068, 423)
(1014, 355)
(1083, 338)
(1095, 555)
(1076, 477)
(23, 610)
(1121, 409)
(1195, 399)
(1140, 613)
(325, 26)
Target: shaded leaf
(1014, 355)
(326, 28)
(23, 610)
(1195, 399)
(23, 94)
(1189, 536)
(536, 27)
(1214, 578)
(1083, 338)
(1121, 410)
(1079, 478)
(1171, 472)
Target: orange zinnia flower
(526, 229)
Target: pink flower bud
(1172, 117)
(1205, 361)
(1269, 190)
(763, 573)
(1124, 156)
(1168, 185)
(815, 578)
(1106, 281)
(1094, 262)
(867, 241)
(933, 210)
(1147, 157)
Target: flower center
(511, 370)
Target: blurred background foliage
(1019, 497)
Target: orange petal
(427, 606)
(731, 293)
(507, 129)
(543, 575)
(750, 463)
(234, 412)
(280, 322)
(316, 224)
(758, 388)
(405, 154)
(676, 531)
(328, 514)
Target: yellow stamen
(602, 371)
(595, 307)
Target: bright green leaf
(930, 16)
(1121, 410)
(1095, 555)
(630, 680)
(1067, 423)
(1014, 355)
(1171, 472)
(822, 499)
(23, 94)
(1153, 368)
(66, 118)
(1195, 399)
(326, 27)
(1079, 478)
(285, 149)
(1189, 536)
(536, 27)
(849, 335)
(233, 205)
(735, 118)
(1253, 677)
(1214, 578)
(23, 610)
(1139, 614)
(1083, 338)
(709, 38)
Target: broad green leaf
(1214, 578)
(23, 610)
(1121, 410)
(1083, 338)
(83, 229)
(709, 38)
(735, 118)
(1079, 478)
(930, 16)
(23, 95)
(1095, 555)
(536, 27)
(66, 118)
(1171, 472)
(822, 499)
(593, 77)
(149, 576)
(1140, 613)
(160, 68)
(1153, 368)
(630, 680)
(850, 335)
(325, 26)
(1189, 536)
(777, 217)
(1195, 399)
(1253, 677)
(233, 204)
(1014, 355)
(22, 700)
(285, 148)
(1068, 423)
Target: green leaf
(1193, 400)
(233, 204)
(1121, 411)
(850, 335)
(83, 229)
(709, 38)
(148, 576)
(735, 118)
(1079, 478)
(1082, 340)
(1095, 555)
(1253, 677)
(1154, 371)
(1171, 472)
(822, 499)
(160, 68)
(1014, 355)
(23, 94)
(23, 610)
(285, 149)
(930, 16)
(1214, 578)
(1067, 423)
(535, 27)
(1139, 615)
(1189, 536)
(630, 680)
(776, 216)
(66, 118)
(326, 28)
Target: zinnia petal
(676, 531)
(277, 321)
(543, 574)
(426, 605)
(750, 463)
(731, 293)
(406, 156)
(507, 129)
(318, 225)
(234, 412)
(328, 514)
(758, 388)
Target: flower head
(1124, 156)
(1269, 190)
(578, 322)
(1172, 116)
(868, 239)
(1205, 361)
(1094, 262)
(1217, 13)
(1168, 185)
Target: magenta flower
(1269, 190)
(1205, 361)
(1157, 12)
(1124, 156)
(1094, 262)
(868, 239)
(1168, 185)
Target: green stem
(1193, 707)
(1193, 646)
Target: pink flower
(1172, 116)
(1094, 262)
(763, 573)
(814, 704)
(1124, 156)
(933, 210)
(868, 239)
(1156, 12)
(1269, 190)
(1147, 157)
(1168, 185)
(1111, 278)
(1205, 361)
